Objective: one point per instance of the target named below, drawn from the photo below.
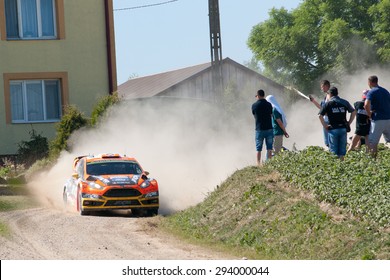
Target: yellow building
(52, 53)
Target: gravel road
(51, 234)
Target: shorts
(379, 127)
(362, 129)
(268, 136)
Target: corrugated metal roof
(152, 85)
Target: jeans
(268, 136)
(338, 141)
(326, 133)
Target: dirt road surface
(50, 234)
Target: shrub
(72, 120)
(101, 107)
(34, 149)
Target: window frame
(10, 78)
(59, 24)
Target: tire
(136, 212)
(152, 212)
(79, 205)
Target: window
(30, 19)
(35, 101)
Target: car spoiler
(76, 160)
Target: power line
(145, 6)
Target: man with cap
(377, 106)
(336, 110)
(363, 124)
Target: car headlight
(91, 196)
(94, 185)
(145, 184)
(151, 194)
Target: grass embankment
(314, 207)
(13, 198)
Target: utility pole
(216, 49)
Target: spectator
(362, 124)
(336, 110)
(279, 124)
(325, 85)
(377, 105)
(262, 111)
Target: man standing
(262, 111)
(362, 124)
(377, 105)
(336, 110)
(325, 86)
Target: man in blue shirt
(262, 111)
(377, 105)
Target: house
(195, 82)
(53, 53)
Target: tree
(321, 37)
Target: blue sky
(175, 35)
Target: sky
(175, 35)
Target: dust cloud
(186, 145)
(189, 146)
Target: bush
(72, 120)
(359, 184)
(101, 107)
(34, 149)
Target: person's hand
(286, 134)
(311, 98)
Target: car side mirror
(144, 175)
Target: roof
(152, 85)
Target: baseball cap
(364, 93)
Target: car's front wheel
(80, 207)
(152, 212)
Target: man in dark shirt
(336, 110)
(363, 124)
(262, 111)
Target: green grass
(14, 202)
(255, 213)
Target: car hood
(113, 180)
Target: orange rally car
(111, 181)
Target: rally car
(108, 182)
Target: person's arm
(312, 100)
(324, 124)
(281, 125)
(367, 107)
(352, 117)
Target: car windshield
(113, 168)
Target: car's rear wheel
(65, 199)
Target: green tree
(381, 28)
(72, 120)
(321, 37)
(102, 106)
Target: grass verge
(255, 214)
(15, 201)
